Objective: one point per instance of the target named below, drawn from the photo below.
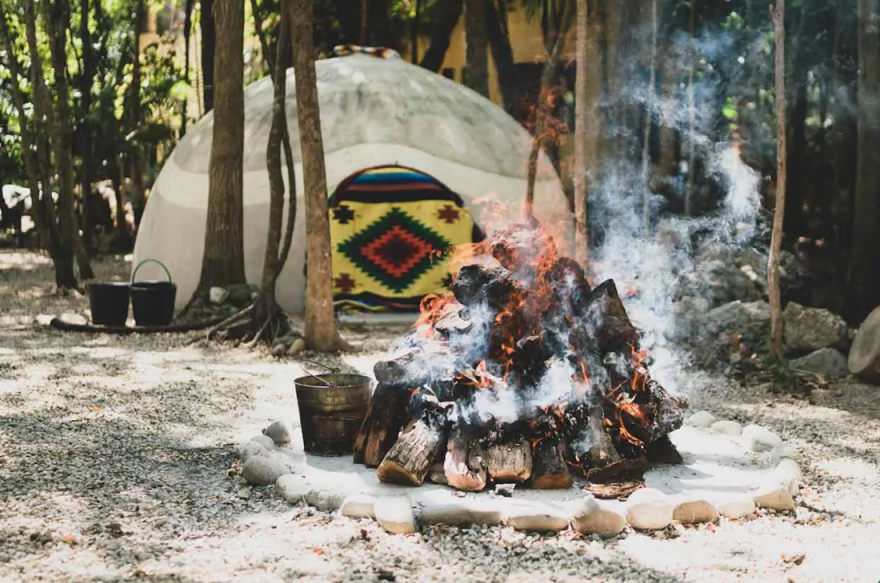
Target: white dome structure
(381, 119)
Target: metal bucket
(331, 409)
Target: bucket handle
(322, 365)
(150, 260)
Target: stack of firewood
(518, 314)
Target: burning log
(385, 417)
(615, 332)
(490, 283)
(625, 470)
(549, 471)
(510, 461)
(416, 450)
(465, 463)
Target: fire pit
(523, 374)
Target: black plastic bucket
(332, 408)
(108, 302)
(152, 302)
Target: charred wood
(416, 450)
(492, 284)
(549, 471)
(509, 461)
(465, 464)
(386, 415)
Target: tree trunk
(444, 24)
(477, 58)
(187, 35)
(864, 277)
(776, 323)
(223, 260)
(692, 116)
(27, 146)
(649, 118)
(209, 48)
(87, 75)
(502, 52)
(580, 138)
(138, 187)
(320, 321)
(266, 305)
(414, 33)
(57, 19)
(542, 111)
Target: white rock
(775, 496)
(278, 432)
(265, 441)
(590, 518)
(324, 501)
(358, 506)
(783, 451)
(788, 472)
(293, 488)
(251, 449)
(463, 514)
(726, 427)
(737, 507)
(395, 514)
(262, 470)
(218, 295)
(648, 509)
(701, 419)
(296, 347)
(759, 438)
(536, 517)
(695, 512)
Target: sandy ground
(117, 463)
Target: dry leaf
(796, 559)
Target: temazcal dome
(409, 156)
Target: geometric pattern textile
(394, 250)
(391, 230)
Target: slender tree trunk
(320, 321)
(27, 146)
(649, 119)
(441, 32)
(187, 36)
(864, 276)
(477, 58)
(268, 57)
(414, 33)
(57, 19)
(542, 111)
(209, 48)
(692, 116)
(776, 322)
(85, 135)
(62, 254)
(502, 52)
(266, 305)
(138, 187)
(580, 137)
(223, 261)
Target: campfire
(523, 374)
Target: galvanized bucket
(332, 407)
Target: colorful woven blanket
(391, 230)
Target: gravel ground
(117, 463)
